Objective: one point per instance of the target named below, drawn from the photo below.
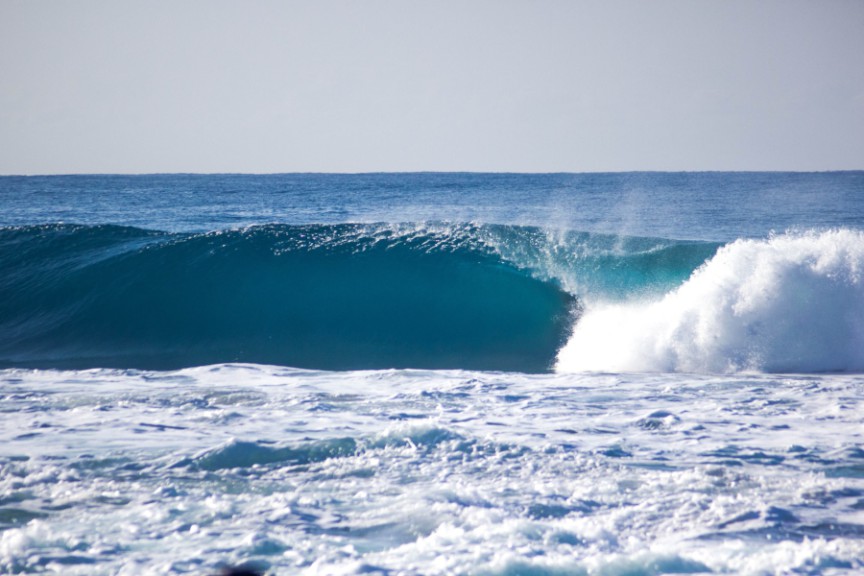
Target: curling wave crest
(318, 296)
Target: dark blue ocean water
(496, 374)
(714, 206)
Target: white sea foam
(429, 472)
(790, 303)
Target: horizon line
(419, 172)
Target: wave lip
(790, 303)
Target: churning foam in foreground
(791, 303)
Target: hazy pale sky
(404, 85)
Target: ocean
(420, 374)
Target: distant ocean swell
(429, 295)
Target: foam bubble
(790, 303)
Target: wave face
(791, 303)
(429, 295)
(316, 296)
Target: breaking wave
(429, 295)
(789, 303)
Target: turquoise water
(335, 296)
(642, 373)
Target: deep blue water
(713, 206)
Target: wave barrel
(319, 297)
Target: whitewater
(497, 374)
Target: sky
(260, 86)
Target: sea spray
(790, 303)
